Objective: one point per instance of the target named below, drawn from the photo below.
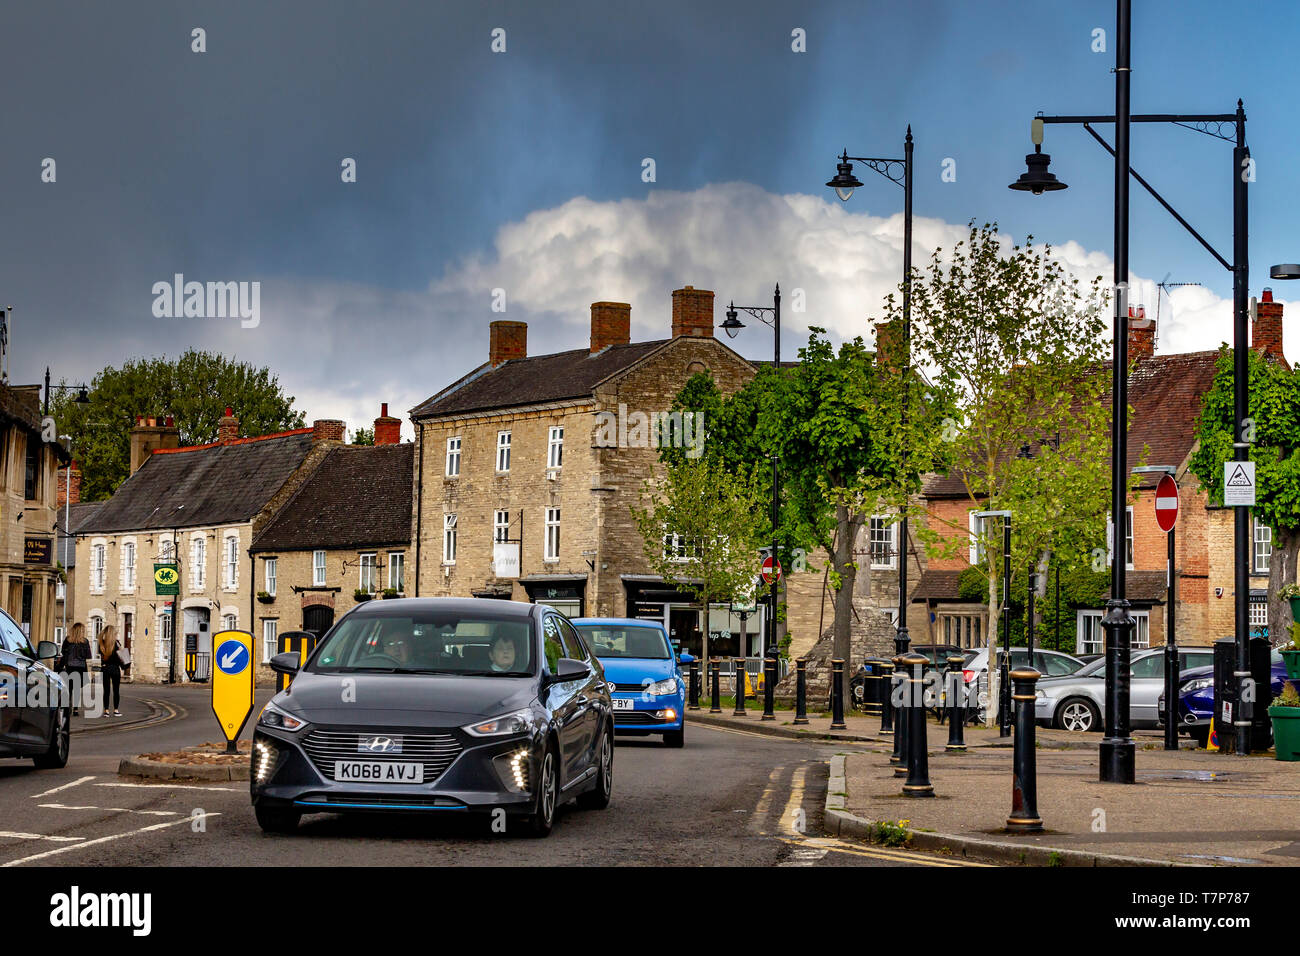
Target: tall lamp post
(1117, 748)
(899, 172)
(731, 326)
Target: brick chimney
(509, 340)
(1266, 332)
(150, 434)
(228, 427)
(326, 429)
(692, 312)
(69, 484)
(1141, 335)
(388, 430)
(889, 343)
(611, 324)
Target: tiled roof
(1144, 586)
(207, 485)
(78, 514)
(937, 586)
(529, 381)
(358, 496)
(1165, 392)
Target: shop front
(565, 593)
(650, 598)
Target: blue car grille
(635, 717)
(435, 751)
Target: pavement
(1187, 807)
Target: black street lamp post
(731, 326)
(82, 397)
(898, 171)
(1117, 748)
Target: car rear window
(619, 640)
(443, 642)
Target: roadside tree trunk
(1281, 572)
(995, 619)
(842, 559)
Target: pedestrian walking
(75, 661)
(111, 668)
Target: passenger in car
(503, 653)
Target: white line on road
(151, 813)
(38, 836)
(37, 796)
(107, 839)
(173, 786)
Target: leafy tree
(363, 436)
(194, 389)
(1020, 346)
(711, 513)
(1273, 428)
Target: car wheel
(543, 816)
(675, 738)
(277, 820)
(598, 797)
(60, 743)
(1078, 715)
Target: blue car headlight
(663, 688)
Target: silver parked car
(1077, 702)
(1047, 663)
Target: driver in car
(397, 646)
(502, 654)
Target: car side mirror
(46, 650)
(566, 668)
(686, 658)
(287, 663)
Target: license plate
(378, 771)
(622, 703)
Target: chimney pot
(228, 427)
(148, 436)
(507, 341)
(1268, 295)
(611, 324)
(388, 430)
(1266, 330)
(692, 312)
(326, 429)
(1141, 336)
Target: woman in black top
(76, 660)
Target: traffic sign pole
(1167, 518)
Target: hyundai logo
(380, 745)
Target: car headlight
(662, 688)
(273, 716)
(1192, 686)
(518, 722)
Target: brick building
(1165, 392)
(347, 529)
(520, 493)
(200, 507)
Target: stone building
(70, 513)
(343, 537)
(29, 572)
(526, 468)
(199, 507)
(1165, 392)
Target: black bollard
(769, 686)
(715, 669)
(801, 691)
(739, 709)
(837, 695)
(694, 703)
(956, 706)
(918, 757)
(885, 689)
(1024, 785)
(902, 705)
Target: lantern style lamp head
(1285, 270)
(733, 324)
(1036, 179)
(82, 398)
(844, 182)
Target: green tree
(1020, 345)
(1273, 428)
(194, 389)
(698, 529)
(363, 436)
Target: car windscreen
(619, 640)
(429, 642)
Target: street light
(82, 397)
(731, 326)
(1171, 643)
(1004, 666)
(1036, 179)
(1117, 748)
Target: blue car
(646, 685)
(1196, 697)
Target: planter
(1292, 660)
(1286, 732)
(362, 595)
(1295, 608)
(265, 598)
(390, 595)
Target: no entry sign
(771, 571)
(1167, 503)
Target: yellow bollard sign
(232, 682)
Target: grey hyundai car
(437, 704)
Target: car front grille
(635, 717)
(435, 751)
(630, 688)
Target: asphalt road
(726, 799)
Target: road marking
(805, 856)
(792, 806)
(38, 836)
(765, 798)
(107, 839)
(836, 846)
(152, 813)
(66, 786)
(172, 786)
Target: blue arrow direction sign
(232, 657)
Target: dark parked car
(437, 704)
(35, 704)
(1196, 698)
